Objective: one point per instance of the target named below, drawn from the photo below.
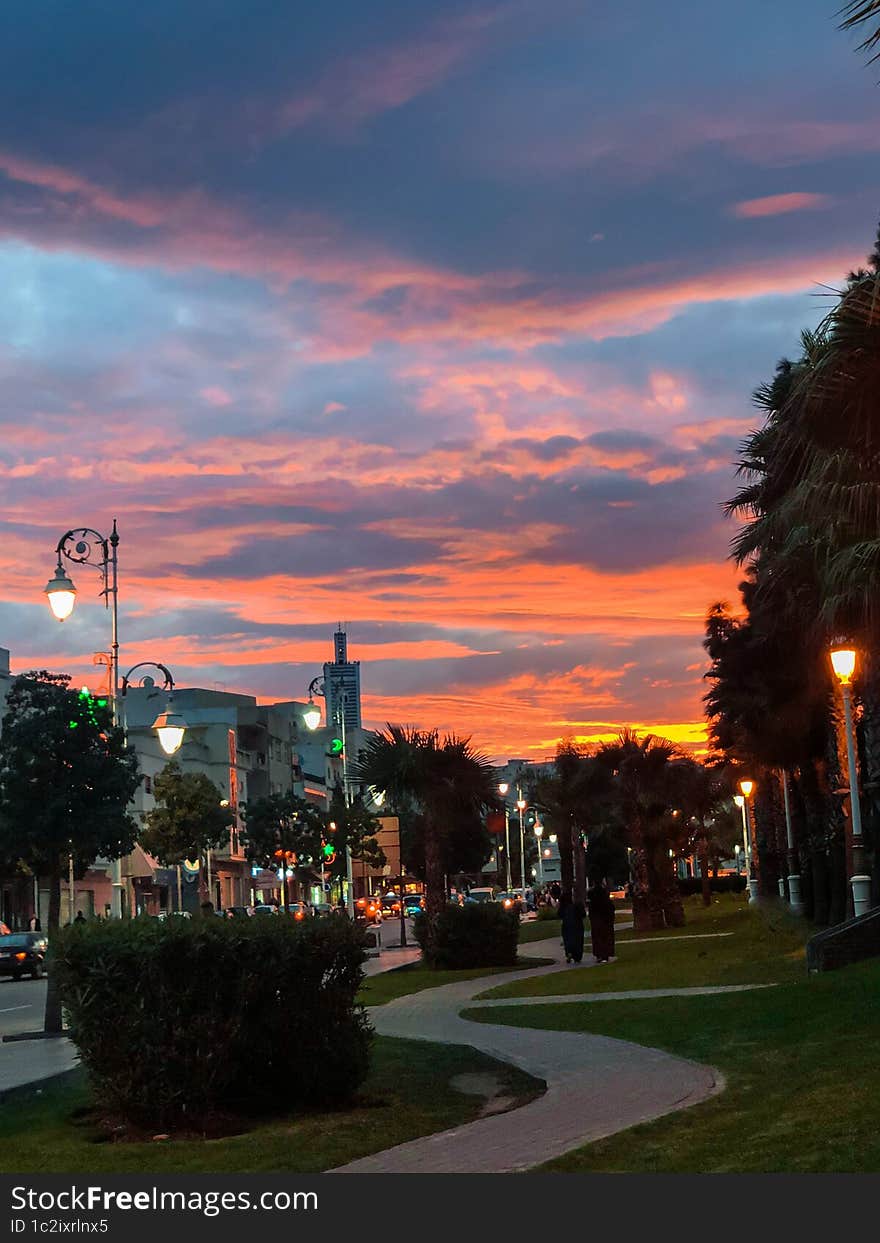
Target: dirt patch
(492, 1087)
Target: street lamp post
(746, 788)
(736, 850)
(741, 804)
(794, 878)
(539, 833)
(503, 787)
(80, 546)
(843, 661)
(521, 806)
(312, 718)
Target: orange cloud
(779, 205)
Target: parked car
(322, 909)
(368, 909)
(23, 953)
(264, 908)
(413, 903)
(481, 894)
(236, 912)
(511, 901)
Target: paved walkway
(596, 1086)
(29, 1061)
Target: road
(22, 1003)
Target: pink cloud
(215, 396)
(779, 205)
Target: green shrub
(478, 934)
(548, 912)
(178, 1021)
(689, 885)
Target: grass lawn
(803, 1078)
(408, 1093)
(413, 978)
(540, 930)
(766, 947)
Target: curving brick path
(596, 1086)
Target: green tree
(283, 830)
(188, 819)
(66, 780)
(355, 829)
(445, 779)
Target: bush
(548, 912)
(477, 934)
(178, 1021)
(689, 885)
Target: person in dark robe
(601, 908)
(572, 914)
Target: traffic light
(336, 746)
(328, 852)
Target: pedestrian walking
(601, 908)
(572, 914)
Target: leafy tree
(355, 829)
(66, 779)
(283, 830)
(188, 819)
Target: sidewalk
(596, 1086)
(29, 1061)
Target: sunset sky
(441, 319)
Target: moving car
(23, 953)
(369, 909)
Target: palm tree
(642, 770)
(857, 14)
(444, 779)
(575, 800)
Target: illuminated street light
(539, 833)
(843, 662)
(312, 715)
(503, 787)
(61, 593)
(169, 725)
(742, 801)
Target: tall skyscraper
(342, 683)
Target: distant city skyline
(439, 318)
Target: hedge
(180, 1021)
(689, 885)
(478, 934)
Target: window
(148, 785)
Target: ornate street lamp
(81, 546)
(169, 725)
(843, 662)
